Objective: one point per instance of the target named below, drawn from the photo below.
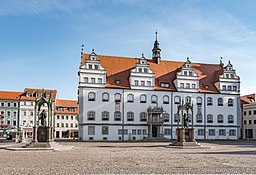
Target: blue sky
(40, 41)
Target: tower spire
(156, 51)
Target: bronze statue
(185, 118)
(43, 118)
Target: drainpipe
(204, 116)
(171, 115)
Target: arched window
(91, 96)
(209, 118)
(230, 118)
(91, 115)
(166, 99)
(209, 101)
(220, 102)
(166, 117)
(199, 100)
(177, 99)
(130, 98)
(105, 96)
(176, 117)
(130, 116)
(143, 116)
(220, 118)
(143, 98)
(153, 99)
(117, 97)
(117, 116)
(105, 115)
(230, 102)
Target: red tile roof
(248, 99)
(118, 68)
(8, 95)
(65, 104)
(32, 91)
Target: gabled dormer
(228, 82)
(186, 79)
(91, 73)
(141, 76)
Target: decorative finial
(142, 55)
(221, 61)
(187, 58)
(92, 50)
(156, 34)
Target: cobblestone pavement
(133, 158)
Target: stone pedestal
(42, 134)
(185, 137)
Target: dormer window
(142, 83)
(99, 80)
(185, 73)
(165, 85)
(140, 70)
(229, 88)
(136, 82)
(145, 70)
(232, 76)
(118, 81)
(193, 86)
(148, 83)
(224, 87)
(90, 66)
(96, 67)
(187, 85)
(234, 88)
(227, 75)
(93, 80)
(190, 73)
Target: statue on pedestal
(43, 118)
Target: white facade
(131, 110)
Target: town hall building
(137, 98)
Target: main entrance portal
(154, 131)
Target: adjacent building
(249, 116)
(124, 98)
(9, 109)
(66, 123)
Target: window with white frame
(143, 98)
(130, 116)
(91, 130)
(222, 132)
(200, 132)
(199, 118)
(211, 132)
(130, 98)
(177, 99)
(91, 96)
(220, 101)
(230, 102)
(193, 85)
(99, 80)
(167, 131)
(166, 99)
(220, 118)
(148, 83)
(104, 130)
(182, 85)
(117, 97)
(105, 96)
(143, 116)
(187, 85)
(105, 115)
(199, 100)
(209, 101)
(209, 118)
(133, 131)
(224, 87)
(136, 82)
(93, 80)
(166, 117)
(153, 99)
(232, 132)
(117, 116)
(91, 115)
(230, 118)
(142, 83)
